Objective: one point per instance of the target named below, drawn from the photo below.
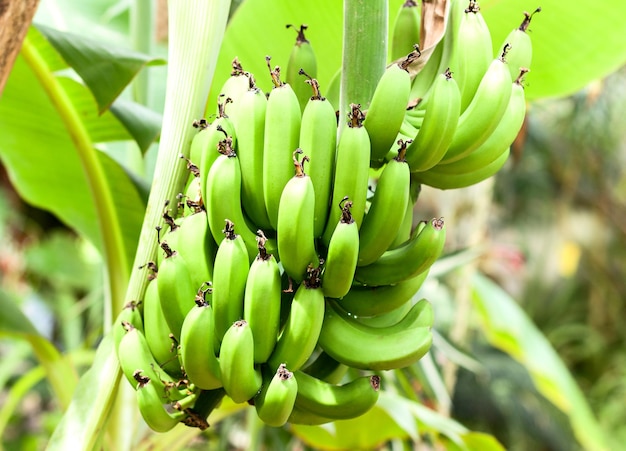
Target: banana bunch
(294, 253)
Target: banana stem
(142, 33)
(364, 52)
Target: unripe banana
(318, 140)
(377, 348)
(236, 85)
(406, 29)
(282, 133)
(248, 118)
(484, 112)
(299, 336)
(130, 314)
(222, 198)
(302, 58)
(404, 234)
(176, 288)
(384, 217)
(453, 181)
(342, 256)
(423, 81)
(295, 226)
(334, 89)
(387, 319)
(157, 331)
(156, 411)
(261, 305)
(229, 281)
(339, 402)
(326, 368)
(241, 379)
(351, 171)
(386, 109)
(441, 117)
(275, 401)
(408, 260)
(499, 141)
(203, 150)
(520, 52)
(138, 363)
(197, 346)
(474, 52)
(372, 301)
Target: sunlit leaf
(105, 69)
(507, 327)
(143, 123)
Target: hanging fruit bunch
(279, 254)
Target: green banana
(222, 198)
(405, 30)
(326, 368)
(384, 217)
(408, 260)
(386, 109)
(520, 51)
(261, 305)
(377, 348)
(229, 281)
(197, 346)
(373, 301)
(301, 59)
(424, 79)
(203, 150)
(299, 336)
(157, 331)
(473, 52)
(484, 112)
(441, 116)
(453, 181)
(404, 234)
(333, 91)
(282, 133)
(499, 141)
(158, 414)
(338, 402)
(236, 85)
(318, 140)
(351, 171)
(248, 118)
(176, 288)
(342, 256)
(241, 379)
(275, 401)
(295, 226)
(387, 319)
(130, 314)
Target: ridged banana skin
(386, 212)
(235, 87)
(437, 130)
(338, 402)
(483, 114)
(229, 284)
(386, 110)
(134, 355)
(152, 407)
(373, 301)
(404, 232)
(318, 140)
(298, 338)
(520, 48)
(248, 118)
(295, 227)
(261, 306)
(374, 348)
(203, 151)
(303, 57)
(474, 53)
(157, 331)
(341, 260)
(275, 402)
(176, 290)
(408, 260)
(454, 181)
(326, 368)
(499, 141)
(406, 30)
(197, 353)
(242, 381)
(282, 133)
(423, 81)
(222, 200)
(351, 177)
(197, 247)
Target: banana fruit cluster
(282, 267)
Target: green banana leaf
(506, 327)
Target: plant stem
(142, 34)
(364, 52)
